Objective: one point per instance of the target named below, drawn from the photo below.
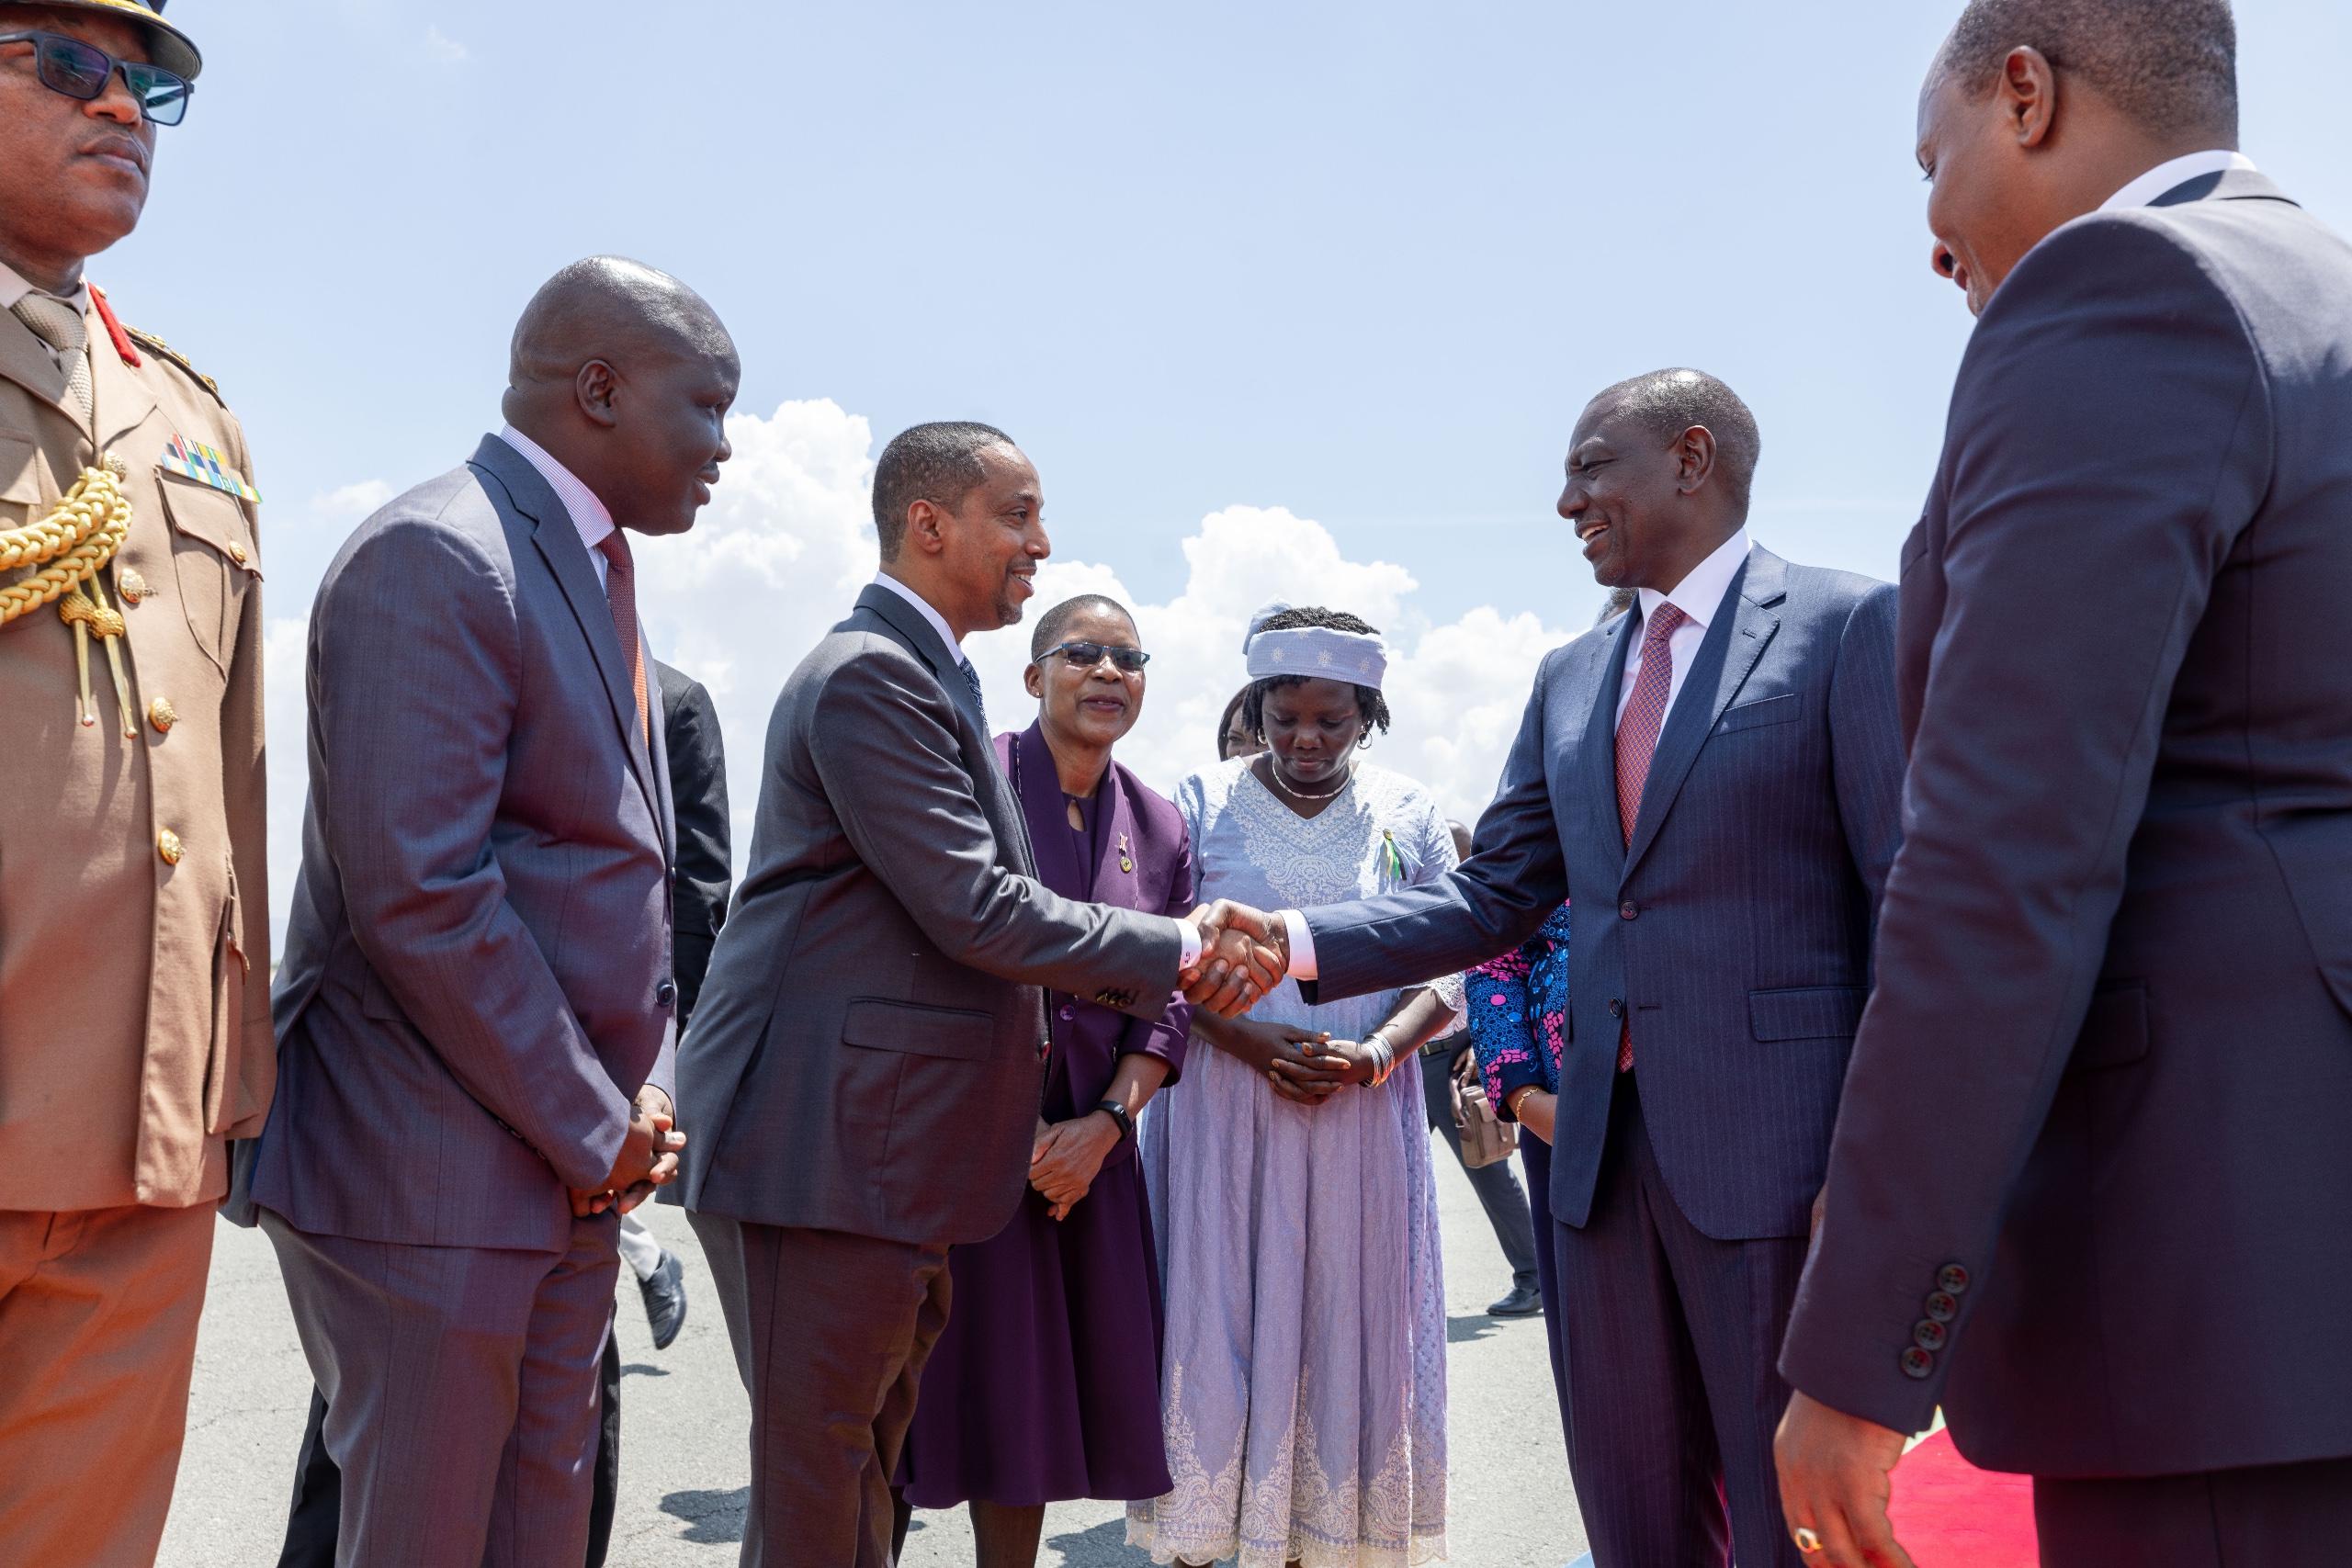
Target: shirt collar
(922, 606)
(2174, 171)
(14, 287)
(1701, 594)
(588, 514)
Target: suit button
(1953, 1280)
(162, 715)
(236, 552)
(1918, 1363)
(1629, 910)
(167, 845)
(130, 585)
(1930, 1335)
(1070, 1012)
(665, 994)
(1942, 1308)
(1616, 1008)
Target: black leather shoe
(1524, 1300)
(665, 1301)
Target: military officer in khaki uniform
(134, 967)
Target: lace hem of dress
(1145, 1536)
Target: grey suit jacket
(867, 1054)
(1736, 929)
(477, 977)
(2089, 1183)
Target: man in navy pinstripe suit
(1711, 778)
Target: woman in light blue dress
(1303, 1384)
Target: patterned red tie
(1637, 744)
(620, 591)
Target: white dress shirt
(938, 622)
(2173, 171)
(1699, 595)
(1187, 939)
(14, 287)
(588, 514)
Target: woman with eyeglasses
(1045, 1385)
(1292, 1190)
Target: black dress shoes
(665, 1301)
(1524, 1300)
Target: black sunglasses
(78, 70)
(1086, 655)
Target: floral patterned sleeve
(1502, 1029)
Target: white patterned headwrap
(1318, 653)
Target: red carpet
(1949, 1514)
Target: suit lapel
(989, 784)
(559, 543)
(1599, 747)
(1742, 628)
(1044, 813)
(658, 703)
(1111, 884)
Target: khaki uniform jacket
(134, 967)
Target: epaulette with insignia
(148, 339)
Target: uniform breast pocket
(213, 560)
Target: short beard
(1008, 610)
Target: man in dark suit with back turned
(1712, 779)
(864, 1069)
(2090, 1182)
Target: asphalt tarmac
(683, 1455)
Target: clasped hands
(649, 1158)
(1245, 954)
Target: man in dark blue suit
(1712, 779)
(2088, 1186)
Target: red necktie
(1637, 744)
(620, 591)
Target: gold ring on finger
(1808, 1541)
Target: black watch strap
(1118, 1112)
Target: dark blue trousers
(1535, 1157)
(1670, 1339)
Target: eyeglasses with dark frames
(81, 71)
(1086, 655)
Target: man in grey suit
(2088, 1186)
(474, 1011)
(1712, 779)
(867, 1060)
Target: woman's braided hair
(1369, 702)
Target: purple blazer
(1144, 831)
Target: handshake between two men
(1245, 954)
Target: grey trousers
(460, 1387)
(831, 1332)
(2274, 1516)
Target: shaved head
(612, 309)
(623, 375)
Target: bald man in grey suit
(475, 1009)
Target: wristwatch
(1118, 1112)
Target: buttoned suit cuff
(1302, 946)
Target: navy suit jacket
(2100, 1113)
(1735, 928)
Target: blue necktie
(980, 708)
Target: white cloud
(444, 48)
(350, 504)
(781, 550)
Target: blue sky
(1360, 263)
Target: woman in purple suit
(1045, 1384)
